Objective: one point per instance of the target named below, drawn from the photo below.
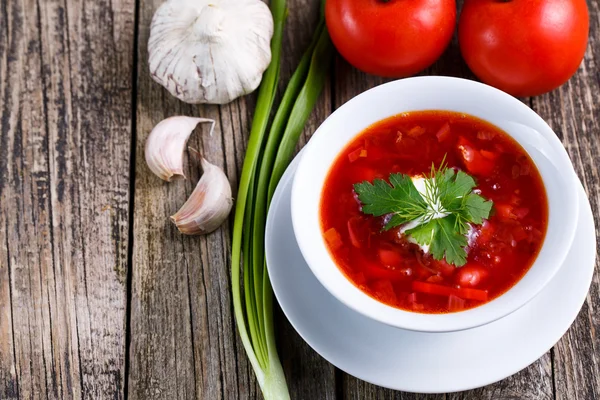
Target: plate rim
(285, 184)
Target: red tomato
(470, 275)
(391, 37)
(524, 47)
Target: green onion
(261, 171)
(264, 173)
(317, 74)
(267, 374)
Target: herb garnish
(439, 215)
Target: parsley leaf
(455, 186)
(447, 242)
(443, 212)
(476, 208)
(399, 197)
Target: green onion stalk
(267, 157)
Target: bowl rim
(549, 154)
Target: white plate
(415, 361)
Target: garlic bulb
(210, 202)
(210, 51)
(165, 145)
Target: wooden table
(102, 298)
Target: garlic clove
(209, 204)
(165, 145)
(210, 51)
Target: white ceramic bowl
(436, 93)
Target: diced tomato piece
(408, 145)
(471, 275)
(421, 273)
(443, 133)
(521, 212)
(333, 238)
(455, 303)
(472, 158)
(384, 291)
(504, 210)
(411, 298)
(486, 231)
(490, 155)
(354, 231)
(485, 135)
(416, 131)
(354, 155)
(389, 257)
(444, 268)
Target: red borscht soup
(433, 240)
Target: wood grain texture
(66, 110)
(26, 203)
(573, 111)
(65, 143)
(10, 46)
(183, 339)
(355, 389)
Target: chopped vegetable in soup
(434, 211)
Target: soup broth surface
(389, 268)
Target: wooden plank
(308, 375)
(183, 340)
(573, 111)
(65, 140)
(25, 205)
(88, 52)
(8, 368)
